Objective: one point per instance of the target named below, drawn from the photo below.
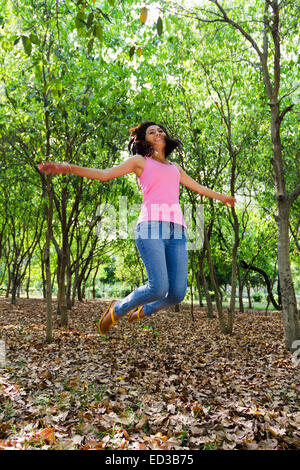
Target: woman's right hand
(55, 168)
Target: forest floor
(167, 383)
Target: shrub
(257, 297)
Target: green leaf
(27, 45)
(98, 32)
(131, 51)
(90, 20)
(34, 39)
(90, 45)
(159, 26)
(80, 21)
(38, 72)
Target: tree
(274, 24)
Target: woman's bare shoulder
(139, 158)
(139, 164)
(179, 168)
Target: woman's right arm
(129, 166)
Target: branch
(293, 196)
(247, 266)
(295, 237)
(286, 110)
(238, 26)
(261, 55)
(289, 93)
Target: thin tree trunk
(241, 304)
(192, 294)
(13, 291)
(248, 294)
(279, 292)
(94, 282)
(69, 283)
(8, 284)
(63, 262)
(49, 321)
(222, 321)
(207, 295)
(43, 273)
(209, 304)
(28, 282)
(199, 289)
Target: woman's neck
(159, 155)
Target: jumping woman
(160, 234)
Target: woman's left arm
(190, 183)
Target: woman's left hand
(229, 201)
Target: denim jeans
(163, 249)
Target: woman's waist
(167, 213)
(160, 229)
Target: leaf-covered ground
(167, 383)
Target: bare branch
(294, 194)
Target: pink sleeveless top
(160, 186)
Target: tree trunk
(8, 285)
(199, 289)
(43, 273)
(279, 293)
(69, 284)
(222, 321)
(14, 291)
(233, 277)
(241, 304)
(209, 304)
(79, 290)
(28, 284)
(289, 302)
(192, 294)
(94, 282)
(49, 321)
(288, 296)
(63, 261)
(248, 294)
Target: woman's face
(156, 136)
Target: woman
(160, 232)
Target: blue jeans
(163, 249)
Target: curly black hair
(139, 145)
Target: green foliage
(75, 77)
(257, 297)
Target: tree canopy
(75, 76)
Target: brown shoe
(136, 314)
(108, 319)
